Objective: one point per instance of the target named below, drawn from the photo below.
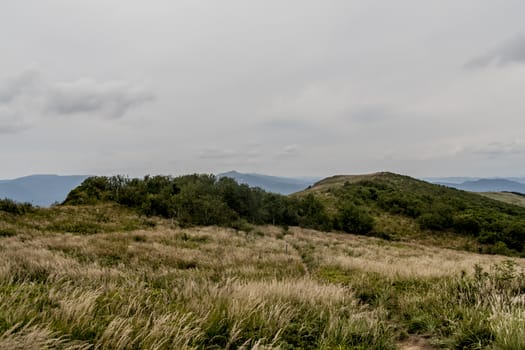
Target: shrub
(202, 200)
(13, 207)
(354, 219)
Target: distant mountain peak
(270, 183)
(487, 185)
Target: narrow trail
(415, 343)
(294, 249)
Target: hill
(400, 206)
(41, 190)
(282, 185)
(385, 205)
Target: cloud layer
(512, 51)
(321, 87)
(28, 97)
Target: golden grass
(212, 287)
(402, 259)
(506, 197)
(163, 288)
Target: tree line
(207, 200)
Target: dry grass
(170, 288)
(401, 259)
(210, 287)
(506, 197)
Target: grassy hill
(402, 207)
(384, 205)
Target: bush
(440, 219)
(466, 223)
(7, 232)
(353, 219)
(13, 207)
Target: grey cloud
(371, 114)
(10, 122)
(228, 154)
(15, 86)
(289, 151)
(500, 149)
(11, 128)
(108, 99)
(511, 52)
(28, 96)
(287, 124)
(214, 153)
(16, 102)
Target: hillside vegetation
(202, 200)
(114, 269)
(401, 205)
(24, 219)
(385, 205)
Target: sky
(290, 88)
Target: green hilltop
(402, 206)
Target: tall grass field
(101, 277)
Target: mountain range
(40, 190)
(44, 190)
(282, 185)
(487, 185)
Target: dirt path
(415, 343)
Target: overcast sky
(284, 87)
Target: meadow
(130, 282)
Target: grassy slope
(400, 227)
(163, 287)
(73, 219)
(507, 197)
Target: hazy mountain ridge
(41, 190)
(276, 184)
(487, 185)
(44, 190)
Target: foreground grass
(454, 299)
(200, 288)
(215, 288)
